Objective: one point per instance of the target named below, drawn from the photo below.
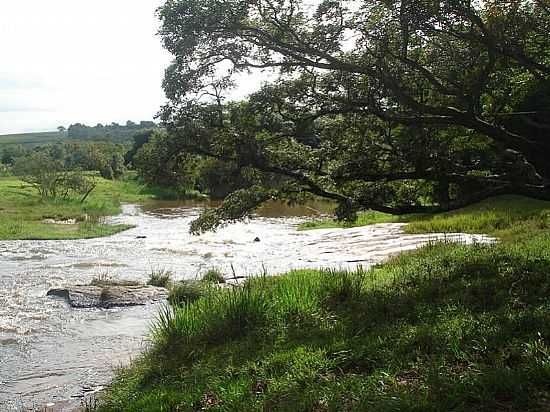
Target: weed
(213, 275)
(105, 279)
(160, 278)
(185, 291)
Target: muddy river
(53, 355)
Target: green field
(23, 212)
(32, 139)
(445, 328)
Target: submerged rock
(110, 296)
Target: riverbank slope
(448, 327)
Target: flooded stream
(52, 354)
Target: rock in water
(109, 296)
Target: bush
(51, 178)
(5, 170)
(106, 172)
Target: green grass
(446, 328)
(364, 218)
(22, 211)
(29, 230)
(32, 139)
(187, 291)
(160, 278)
(213, 275)
(506, 217)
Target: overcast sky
(68, 61)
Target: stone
(109, 296)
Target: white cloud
(68, 61)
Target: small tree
(11, 153)
(43, 172)
(77, 183)
(51, 178)
(117, 165)
(106, 172)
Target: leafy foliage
(395, 106)
(51, 178)
(114, 131)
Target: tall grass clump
(293, 299)
(342, 286)
(216, 316)
(105, 280)
(213, 275)
(186, 291)
(160, 278)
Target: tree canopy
(397, 106)
(114, 131)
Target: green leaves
(394, 106)
(237, 206)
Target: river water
(53, 355)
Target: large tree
(398, 106)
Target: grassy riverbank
(446, 328)
(23, 213)
(506, 217)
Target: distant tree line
(104, 157)
(62, 170)
(114, 131)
